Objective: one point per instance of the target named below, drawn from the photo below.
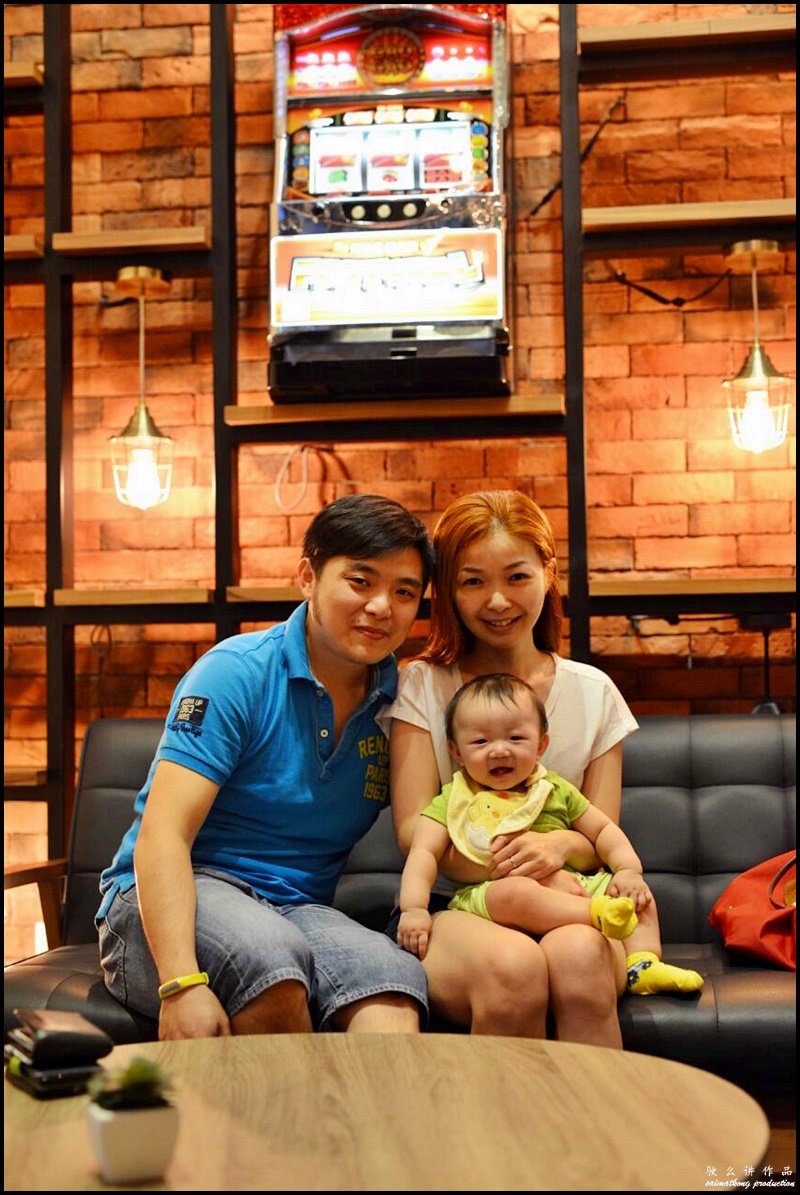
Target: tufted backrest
(115, 760)
(704, 797)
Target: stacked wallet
(54, 1053)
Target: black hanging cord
(587, 149)
(618, 276)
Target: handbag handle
(776, 879)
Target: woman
(497, 608)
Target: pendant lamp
(141, 455)
(758, 396)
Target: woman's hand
(527, 854)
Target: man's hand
(413, 931)
(627, 882)
(194, 1012)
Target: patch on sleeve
(192, 709)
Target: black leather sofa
(704, 797)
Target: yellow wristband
(183, 981)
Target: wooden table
(335, 1112)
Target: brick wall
(668, 493)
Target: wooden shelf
(23, 74)
(734, 46)
(280, 593)
(23, 245)
(130, 597)
(672, 597)
(670, 34)
(687, 215)
(411, 408)
(24, 777)
(133, 240)
(22, 598)
(694, 585)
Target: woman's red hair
(470, 518)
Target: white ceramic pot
(132, 1144)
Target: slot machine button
(358, 211)
(384, 210)
(410, 210)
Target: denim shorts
(247, 944)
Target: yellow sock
(647, 974)
(614, 916)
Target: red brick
(637, 522)
(732, 518)
(758, 550)
(683, 488)
(751, 97)
(174, 72)
(606, 361)
(702, 552)
(653, 459)
(767, 486)
(662, 102)
(679, 359)
(603, 490)
(633, 329)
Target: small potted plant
(133, 1125)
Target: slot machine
(388, 224)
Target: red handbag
(756, 913)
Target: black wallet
(50, 1038)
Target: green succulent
(140, 1084)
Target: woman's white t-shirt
(586, 712)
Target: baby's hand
(413, 931)
(627, 882)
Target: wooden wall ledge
(134, 239)
(412, 408)
(22, 245)
(687, 215)
(24, 777)
(278, 593)
(130, 597)
(22, 598)
(678, 586)
(23, 74)
(671, 34)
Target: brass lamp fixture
(141, 455)
(758, 396)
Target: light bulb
(756, 426)
(142, 487)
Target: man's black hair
(362, 526)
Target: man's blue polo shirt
(250, 716)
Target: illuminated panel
(396, 277)
(292, 16)
(392, 57)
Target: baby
(497, 731)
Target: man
(216, 914)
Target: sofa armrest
(49, 877)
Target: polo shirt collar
(383, 681)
